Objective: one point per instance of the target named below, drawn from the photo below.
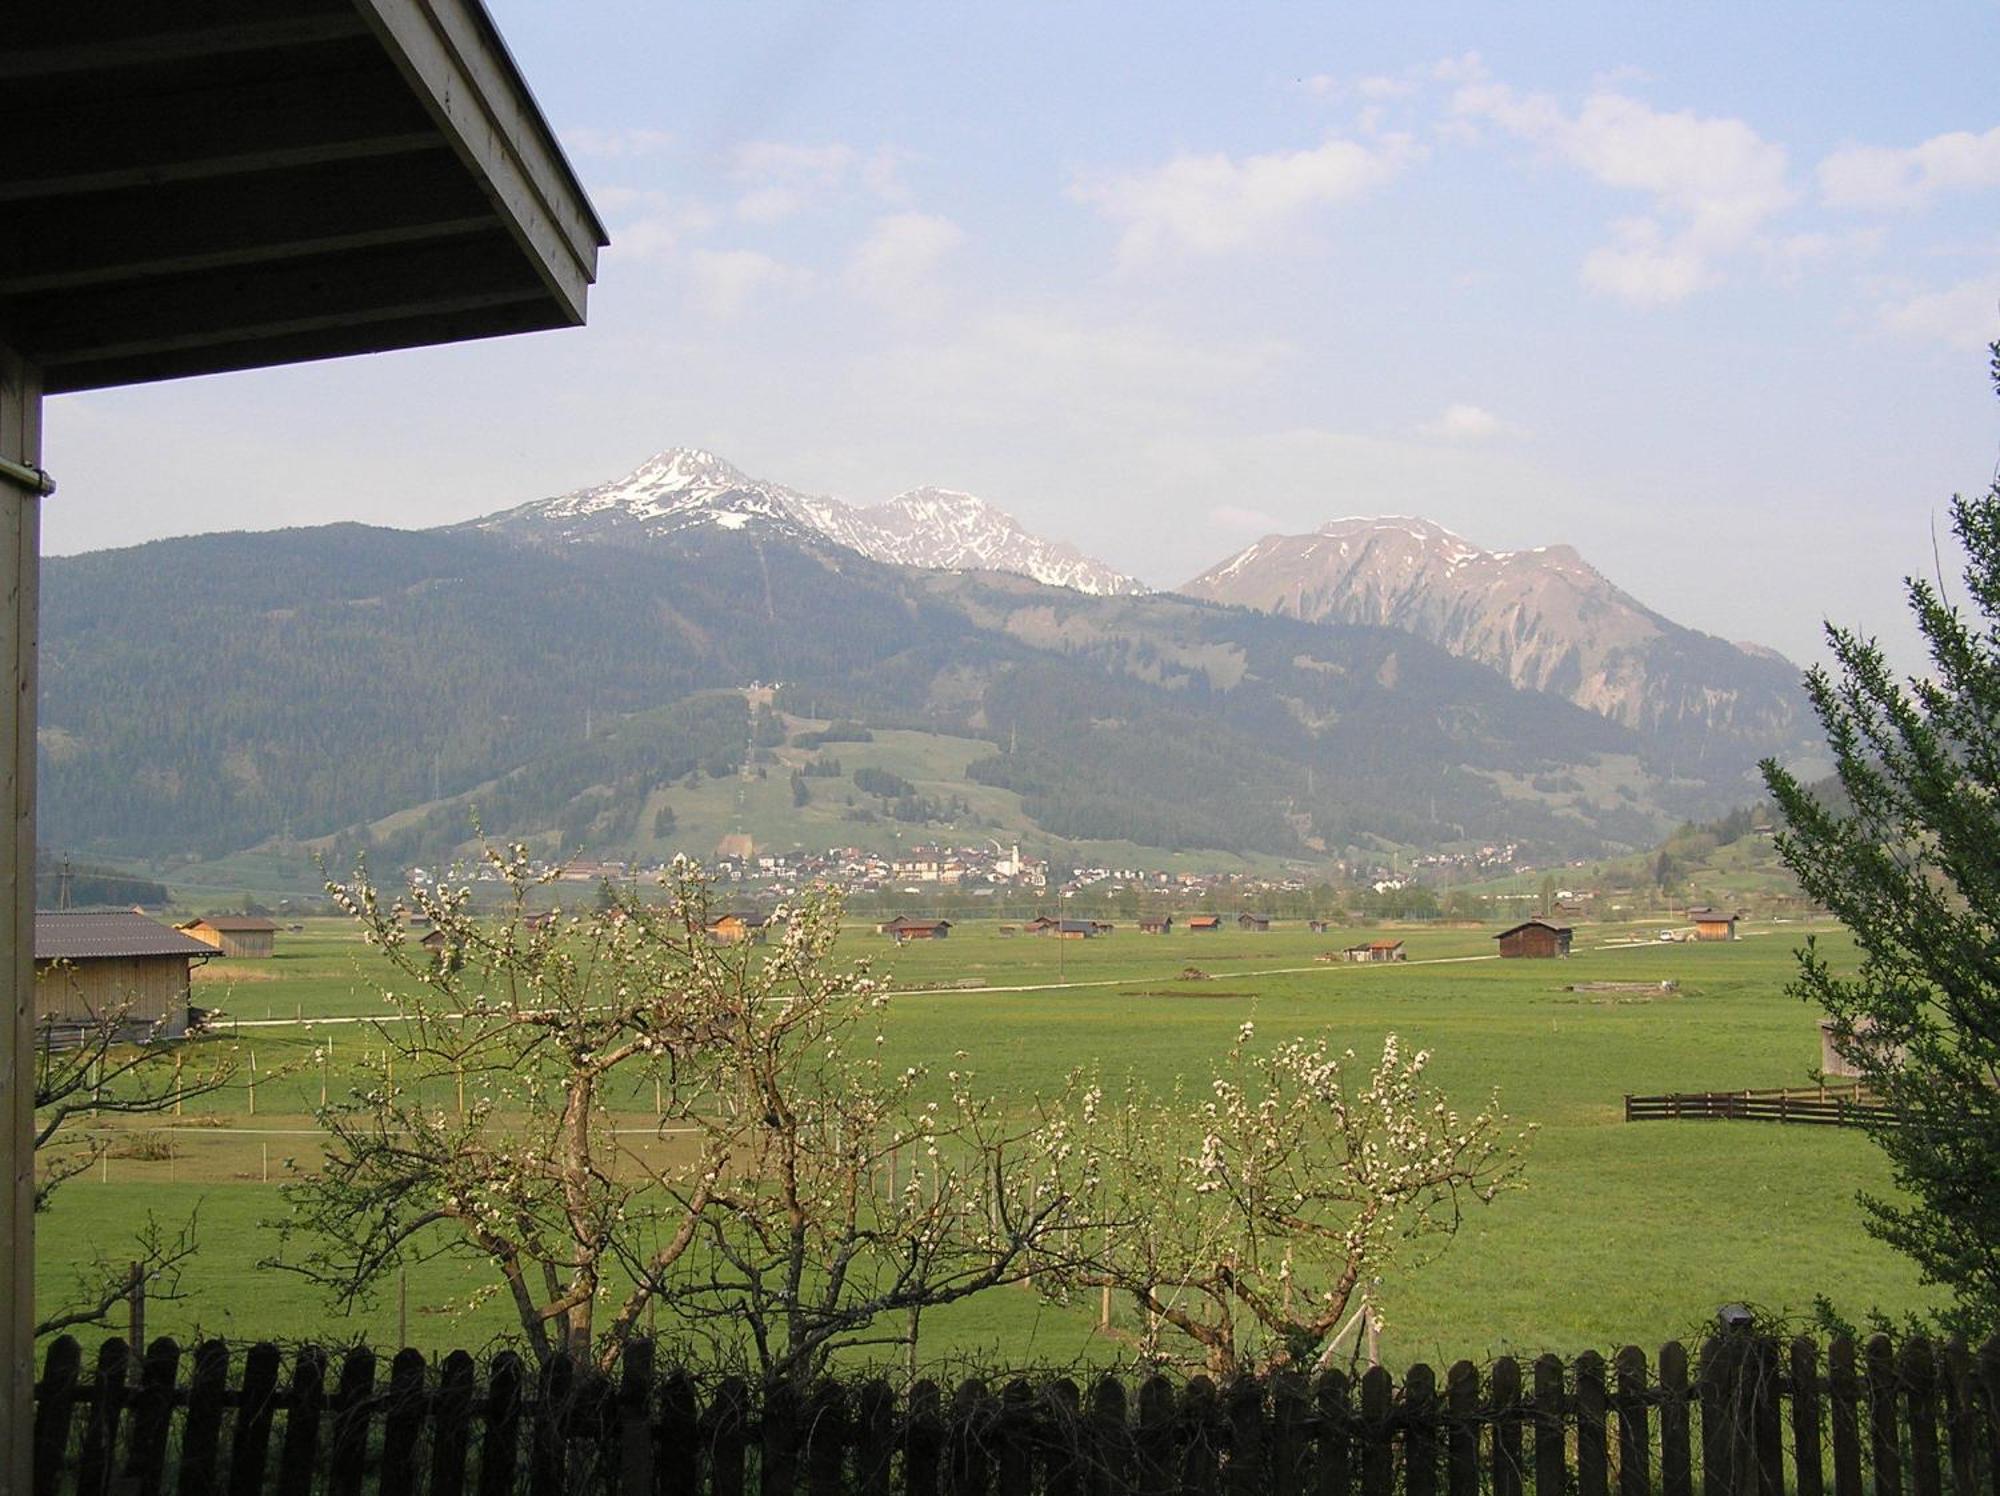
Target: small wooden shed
(902, 929)
(1377, 950)
(91, 965)
(1203, 924)
(737, 928)
(1535, 937)
(236, 934)
(1713, 924)
(1162, 924)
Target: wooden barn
(738, 928)
(1536, 937)
(1713, 924)
(92, 964)
(1377, 950)
(1157, 925)
(902, 929)
(1259, 922)
(1204, 924)
(236, 934)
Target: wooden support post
(20, 548)
(253, 1082)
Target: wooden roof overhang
(226, 184)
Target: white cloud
(896, 266)
(1715, 184)
(1966, 315)
(1234, 517)
(1385, 88)
(615, 144)
(1465, 423)
(1218, 204)
(1881, 178)
(726, 281)
(781, 179)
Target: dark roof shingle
(72, 935)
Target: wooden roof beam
(329, 292)
(257, 124)
(167, 34)
(330, 207)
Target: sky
(1702, 290)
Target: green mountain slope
(216, 693)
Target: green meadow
(1625, 1232)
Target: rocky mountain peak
(684, 487)
(1545, 618)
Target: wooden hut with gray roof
(94, 966)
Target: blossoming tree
(789, 1191)
(1244, 1224)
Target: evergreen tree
(1909, 866)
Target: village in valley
(1395, 898)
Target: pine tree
(1913, 870)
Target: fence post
(500, 1447)
(54, 1400)
(1461, 1454)
(352, 1403)
(1420, 1448)
(874, 1438)
(298, 1457)
(1918, 1374)
(548, 1444)
(146, 1455)
(1989, 1402)
(1199, 1422)
(1676, 1462)
(251, 1441)
(100, 1432)
(1551, 1461)
(403, 1423)
(1843, 1388)
(201, 1434)
(778, 1471)
(967, 1428)
(1962, 1409)
(923, 1440)
(1767, 1415)
(1884, 1447)
(1807, 1465)
(825, 1439)
(1155, 1437)
(1336, 1436)
(451, 1426)
(1593, 1466)
(632, 1416)
(1378, 1469)
(1635, 1435)
(1016, 1439)
(677, 1437)
(1290, 1415)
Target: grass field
(1626, 1231)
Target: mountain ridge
(1544, 618)
(933, 528)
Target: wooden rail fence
(1820, 1106)
(1753, 1418)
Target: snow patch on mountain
(937, 528)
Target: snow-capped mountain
(684, 488)
(1545, 618)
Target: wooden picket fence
(1755, 1419)
(1822, 1106)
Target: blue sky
(1702, 290)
